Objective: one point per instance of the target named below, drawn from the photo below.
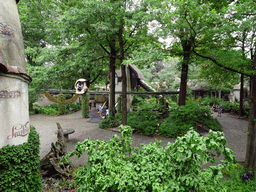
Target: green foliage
(145, 117)
(180, 120)
(232, 168)
(53, 108)
(117, 166)
(73, 107)
(19, 165)
(162, 104)
(210, 101)
(228, 106)
(235, 182)
(107, 123)
(85, 106)
(49, 111)
(37, 107)
(61, 98)
(138, 100)
(119, 106)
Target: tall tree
(114, 28)
(241, 9)
(178, 17)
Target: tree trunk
(250, 157)
(124, 95)
(241, 109)
(184, 72)
(124, 78)
(183, 84)
(112, 86)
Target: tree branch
(220, 65)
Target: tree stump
(50, 163)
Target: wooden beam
(117, 92)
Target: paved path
(233, 128)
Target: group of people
(218, 109)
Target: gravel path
(233, 128)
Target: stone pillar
(14, 115)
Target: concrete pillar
(14, 115)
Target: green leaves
(19, 165)
(117, 166)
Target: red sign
(19, 131)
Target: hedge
(20, 164)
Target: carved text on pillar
(19, 131)
(9, 94)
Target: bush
(19, 165)
(162, 104)
(107, 123)
(139, 100)
(54, 106)
(49, 111)
(117, 166)
(235, 109)
(210, 101)
(37, 108)
(61, 104)
(85, 106)
(235, 182)
(74, 107)
(145, 118)
(180, 120)
(227, 106)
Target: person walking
(220, 108)
(90, 105)
(94, 104)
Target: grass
(234, 182)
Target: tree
(212, 52)
(161, 75)
(178, 17)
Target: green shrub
(54, 106)
(73, 107)
(138, 100)
(180, 120)
(37, 107)
(107, 123)
(145, 118)
(227, 106)
(162, 104)
(117, 166)
(235, 182)
(85, 106)
(19, 165)
(61, 104)
(210, 101)
(235, 109)
(49, 111)
(68, 96)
